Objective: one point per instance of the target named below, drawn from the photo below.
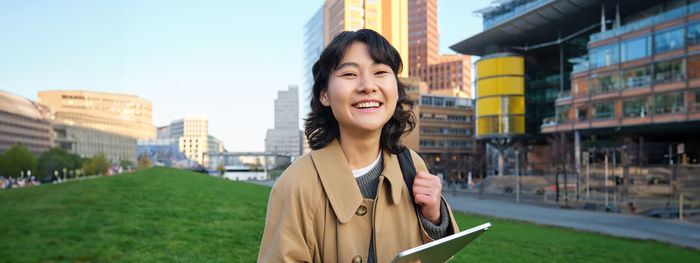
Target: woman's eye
(381, 72)
(348, 75)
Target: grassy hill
(169, 215)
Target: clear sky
(224, 60)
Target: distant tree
(57, 158)
(17, 159)
(559, 155)
(98, 164)
(144, 161)
(220, 169)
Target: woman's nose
(367, 85)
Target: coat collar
(339, 184)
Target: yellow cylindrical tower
(500, 102)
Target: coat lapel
(392, 172)
(337, 180)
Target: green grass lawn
(169, 215)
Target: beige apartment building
(444, 132)
(122, 114)
(24, 121)
(192, 136)
(388, 17)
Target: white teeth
(371, 104)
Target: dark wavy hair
(322, 127)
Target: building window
(635, 107)
(668, 40)
(694, 34)
(603, 111)
(636, 48)
(637, 77)
(669, 103)
(605, 56)
(563, 113)
(669, 71)
(582, 113)
(604, 84)
(580, 86)
(696, 105)
(694, 67)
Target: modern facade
(643, 75)
(164, 152)
(26, 122)
(192, 136)
(387, 17)
(285, 138)
(313, 46)
(610, 78)
(444, 132)
(123, 114)
(87, 142)
(448, 75)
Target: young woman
(347, 199)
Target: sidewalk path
(684, 234)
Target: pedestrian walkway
(684, 234)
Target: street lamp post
(605, 184)
(517, 177)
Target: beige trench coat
(316, 212)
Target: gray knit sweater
(369, 183)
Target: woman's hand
(427, 191)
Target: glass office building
(603, 74)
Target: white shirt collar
(363, 171)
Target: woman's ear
(324, 98)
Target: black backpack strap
(408, 170)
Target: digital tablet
(442, 249)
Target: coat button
(357, 259)
(362, 210)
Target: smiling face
(361, 93)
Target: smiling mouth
(368, 105)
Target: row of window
(639, 77)
(450, 102)
(446, 144)
(444, 117)
(446, 131)
(644, 46)
(631, 108)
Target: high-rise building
(285, 138)
(388, 17)
(192, 136)
(313, 46)
(24, 121)
(447, 75)
(122, 114)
